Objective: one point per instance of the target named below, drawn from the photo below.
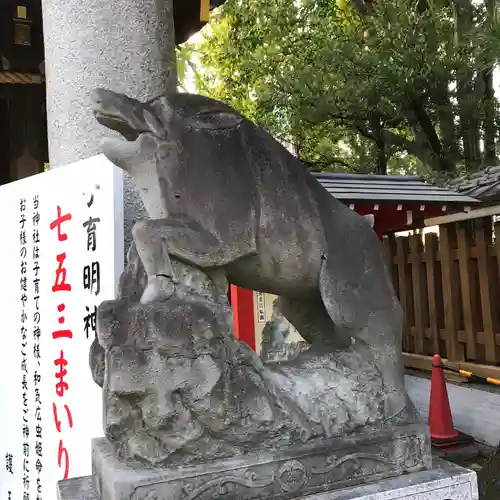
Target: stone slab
(78, 488)
(445, 482)
(337, 463)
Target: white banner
(61, 256)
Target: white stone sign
(61, 256)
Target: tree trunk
(489, 129)
(467, 96)
(429, 130)
(427, 145)
(469, 123)
(446, 119)
(381, 165)
(378, 133)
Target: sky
(189, 85)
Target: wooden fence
(449, 287)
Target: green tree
(365, 86)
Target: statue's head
(173, 147)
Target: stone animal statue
(225, 197)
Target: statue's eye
(216, 120)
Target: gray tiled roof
(483, 185)
(388, 188)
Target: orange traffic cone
(443, 434)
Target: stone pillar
(122, 45)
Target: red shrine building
(397, 203)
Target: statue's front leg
(152, 249)
(153, 252)
(187, 241)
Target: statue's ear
(161, 110)
(153, 122)
(370, 218)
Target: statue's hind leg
(312, 321)
(362, 305)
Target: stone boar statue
(223, 195)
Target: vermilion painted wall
(244, 323)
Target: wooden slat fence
(449, 288)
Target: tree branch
(331, 161)
(365, 132)
(431, 134)
(364, 8)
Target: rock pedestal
(191, 413)
(339, 463)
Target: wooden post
(467, 284)
(404, 292)
(244, 320)
(483, 241)
(416, 249)
(454, 350)
(431, 255)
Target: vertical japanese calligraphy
(91, 271)
(24, 241)
(37, 352)
(261, 307)
(61, 284)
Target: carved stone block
(446, 481)
(340, 462)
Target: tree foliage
(398, 85)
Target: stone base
(337, 463)
(445, 482)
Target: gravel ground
(489, 477)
